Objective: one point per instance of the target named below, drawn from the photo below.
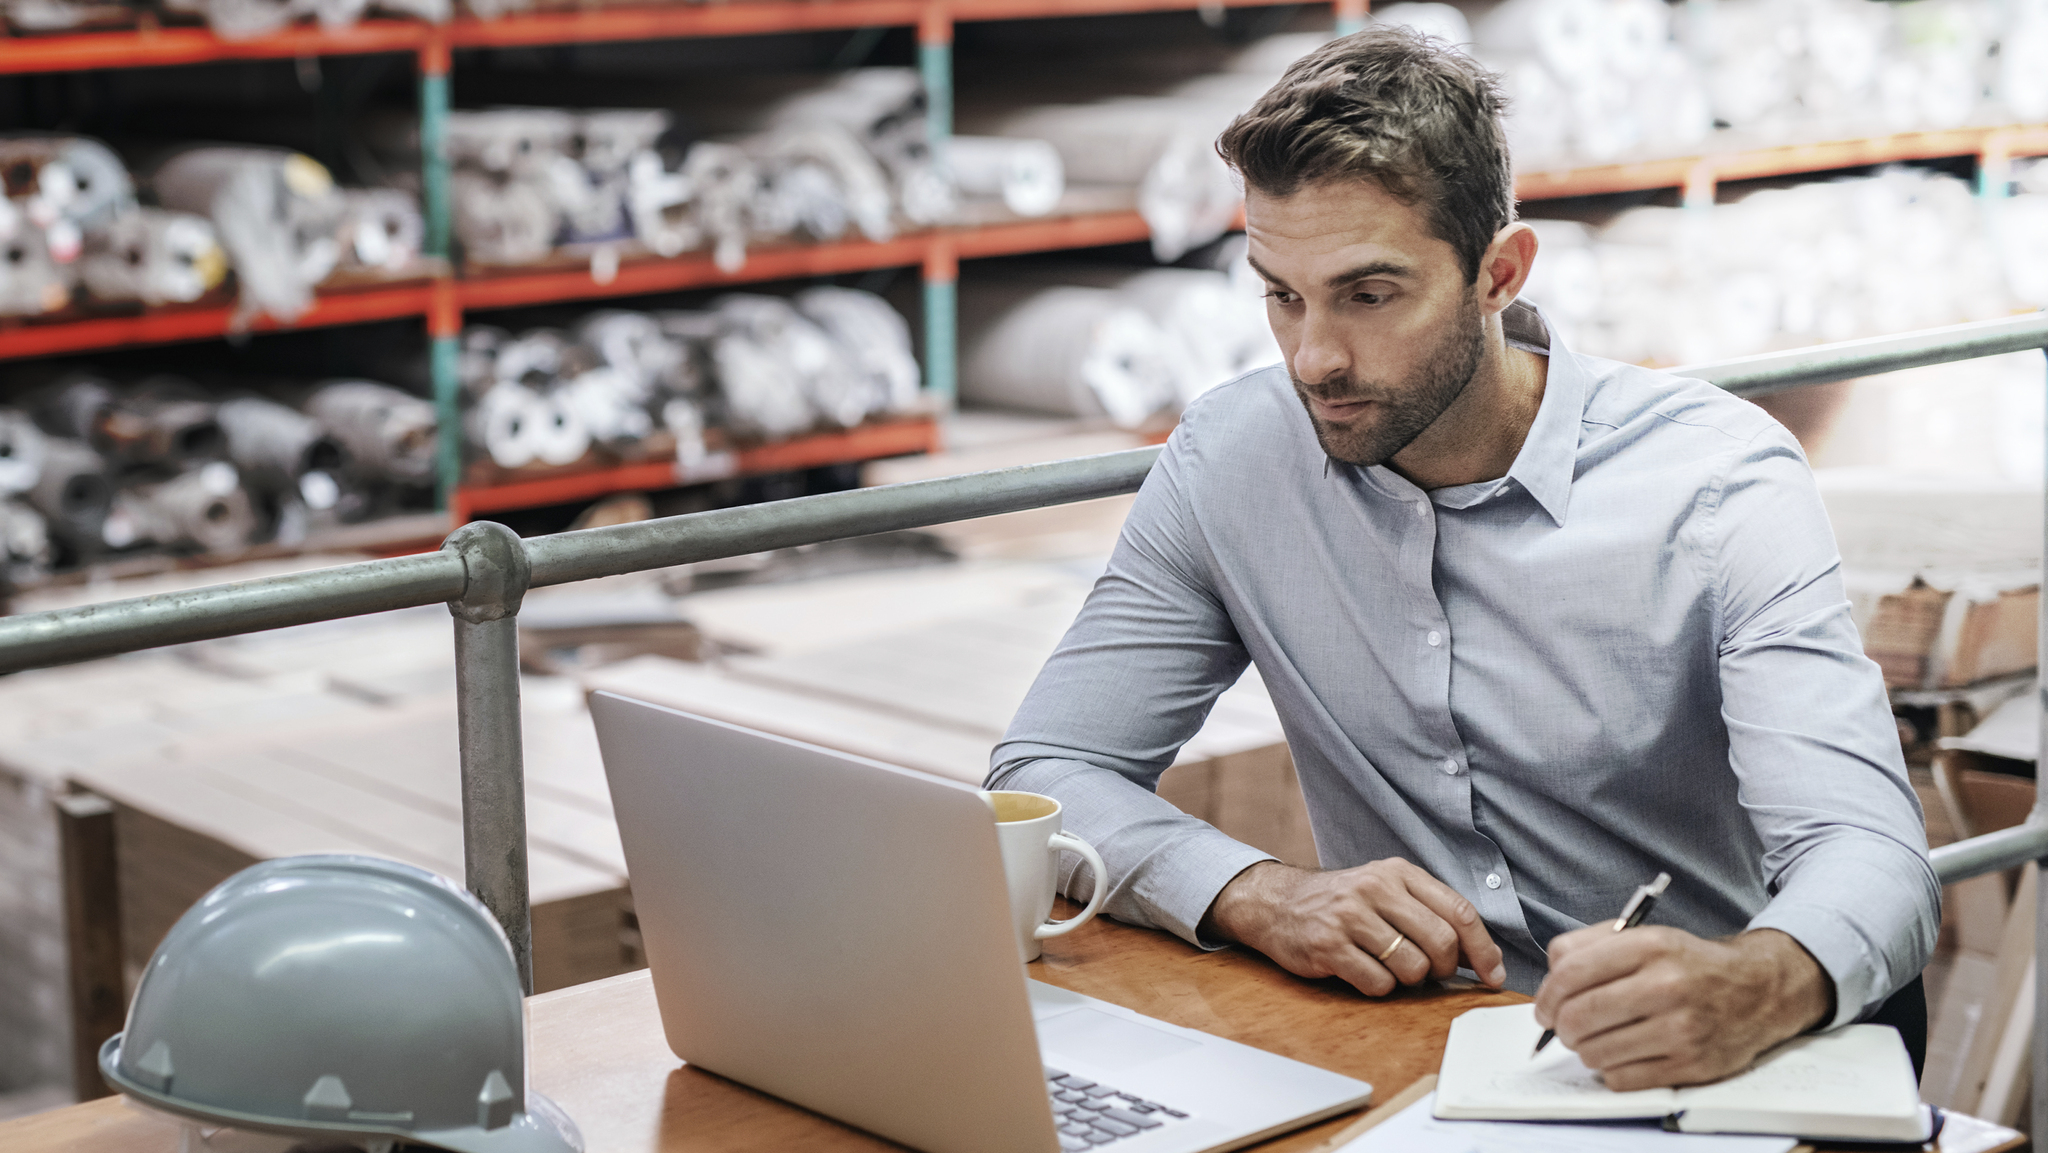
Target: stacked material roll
(104, 464)
(71, 219)
(1109, 342)
(1784, 267)
(757, 367)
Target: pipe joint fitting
(495, 570)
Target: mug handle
(1066, 840)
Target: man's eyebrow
(1261, 270)
(1369, 269)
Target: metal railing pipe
(34, 640)
(1990, 853)
(597, 552)
(1776, 371)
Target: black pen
(1632, 914)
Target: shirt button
(1421, 508)
(1493, 880)
(1451, 766)
(1435, 638)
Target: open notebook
(1852, 1084)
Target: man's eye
(1369, 298)
(1279, 297)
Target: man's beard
(1404, 410)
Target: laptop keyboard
(1090, 1115)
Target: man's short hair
(1409, 111)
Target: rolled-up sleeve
(1131, 682)
(1811, 737)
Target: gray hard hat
(342, 997)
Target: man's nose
(1323, 354)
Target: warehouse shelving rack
(443, 297)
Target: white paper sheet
(1413, 1130)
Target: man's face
(1380, 327)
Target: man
(1538, 626)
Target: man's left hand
(1657, 1006)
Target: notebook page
(1853, 1082)
(1488, 1074)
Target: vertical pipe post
(92, 933)
(941, 324)
(444, 318)
(1351, 15)
(2039, 1110)
(434, 60)
(487, 723)
(941, 267)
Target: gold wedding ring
(1399, 941)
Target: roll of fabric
(1067, 351)
(24, 545)
(610, 405)
(66, 15)
(153, 256)
(561, 437)
(386, 435)
(23, 449)
(874, 336)
(31, 281)
(381, 228)
(1161, 146)
(505, 423)
(501, 219)
(854, 187)
(74, 405)
(165, 421)
(883, 109)
(67, 186)
(282, 449)
(204, 508)
(634, 343)
(1026, 174)
(824, 381)
(608, 139)
(1213, 332)
(73, 493)
(763, 392)
(276, 212)
(658, 200)
(725, 183)
(513, 141)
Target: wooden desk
(598, 1051)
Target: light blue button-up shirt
(1630, 654)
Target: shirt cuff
(1165, 867)
(1840, 949)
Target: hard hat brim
(542, 1128)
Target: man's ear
(1505, 267)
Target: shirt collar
(1548, 459)
(1550, 453)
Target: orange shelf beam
(153, 47)
(158, 47)
(1780, 160)
(176, 325)
(868, 442)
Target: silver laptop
(835, 931)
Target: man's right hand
(1316, 924)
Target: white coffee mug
(1028, 828)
